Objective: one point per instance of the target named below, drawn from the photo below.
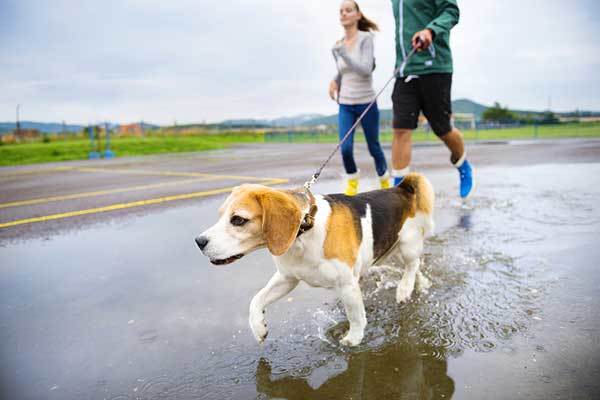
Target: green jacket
(414, 15)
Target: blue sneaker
(398, 180)
(466, 179)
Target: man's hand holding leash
(422, 40)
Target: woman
(353, 89)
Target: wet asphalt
(118, 303)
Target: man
(425, 83)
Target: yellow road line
(140, 172)
(130, 172)
(38, 171)
(101, 192)
(34, 171)
(170, 173)
(129, 205)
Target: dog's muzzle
(202, 241)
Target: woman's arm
(363, 64)
(334, 85)
(334, 90)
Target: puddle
(492, 265)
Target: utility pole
(18, 122)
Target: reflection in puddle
(393, 371)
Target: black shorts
(427, 93)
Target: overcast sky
(199, 60)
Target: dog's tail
(424, 196)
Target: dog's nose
(201, 241)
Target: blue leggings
(346, 118)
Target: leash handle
(418, 40)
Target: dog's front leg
(277, 287)
(351, 297)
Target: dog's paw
(259, 328)
(403, 293)
(352, 339)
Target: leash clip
(308, 184)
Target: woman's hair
(364, 23)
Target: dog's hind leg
(407, 283)
(351, 297)
(411, 248)
(277, 287)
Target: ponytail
(364, 23)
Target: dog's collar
(309, 218)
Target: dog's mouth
(226, 261)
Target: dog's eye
(237, 220)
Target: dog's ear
(281, 220)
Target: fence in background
(482, 131)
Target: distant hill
(244, 123)
(459, 106)
(55, 127)
(145, 125)
(50, 127)
(466, 106)
(462, 106)
(296, 120)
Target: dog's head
(253, 216)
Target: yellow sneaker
(351, 187)
(384, 180)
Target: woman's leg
(370, 124)
(346, 119)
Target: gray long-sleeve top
(355, 70)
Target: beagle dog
(325, 240)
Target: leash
(308, 220)
(398, 72)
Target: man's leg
(406, 106)
(437, 107)
(455, 143)
(401, 154)
(458, 157)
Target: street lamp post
(107, 152)
(18, 131)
